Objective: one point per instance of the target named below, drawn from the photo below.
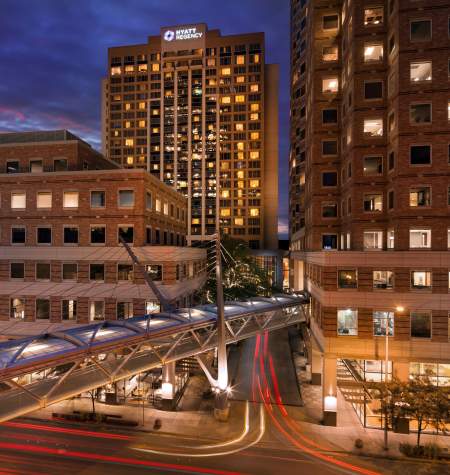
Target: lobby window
(373, 90)
(329, 116)
(98, 234)
(125, 272)
(391, 239)
(36, 166)
(347, 322)
(373, 127)
(42, 271)
(420, 155)
(44, 199)
(126, 198)
(70, 235)
(330, 22)
(12, 167)
(126, 233)
(420, 113)
(373, 240)
(420, 30)
(154, 271)
(60, 165)
(97, 199)
(97, 272)
(330, 53)
(348, 279)
(373, 202)
(96, 310)
(42, 309)
(383, 279)
(420, 324)
(329, 210)
(329, 147)
(70, 199)
(69, 271)
(329, 241)
(420, 238)
(124, 310)
(420, 196)
(420, 71)
(18, 200)
(373, 16)
(17, 309)
(383, 321)
(373, 165)
(420, 279)
(44, 235)
(18, 235)
(69, 309)
(330, 85)
(17, 270)
(373, 52)
(330, 179)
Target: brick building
(191, 104)
(63, 207)
(369, 186)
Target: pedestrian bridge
(41, 370)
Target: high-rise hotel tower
(191, 104)
(370, 187)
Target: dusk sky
(54, 55)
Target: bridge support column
(329, 391)
(168, 385)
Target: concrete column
(168, 385)
(329, 391)
(316, 366)
(401, 370)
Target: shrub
(359, 444)
(429, 451)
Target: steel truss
(94, 366)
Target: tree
(242, 276)
(392, 404)
(441, 409)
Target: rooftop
(39, 136)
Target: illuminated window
(211, 62)
(330, 85)
(420, 71)
(116, 70)
(142, 68)
(239, 126)
(421, 279)
(347, 322)
(225, 193)
(130, 160)
(254, 107)
(330, 53)
(44, 199)
(420, 238)
(373, 127)
(256, 58)
(129, 142)
(254, 183)
(254, 87)
(373, 52)
(225, 212)
(240, 59)
(129, 68)
(254, 135)
(240, 155)
(254, 116)
(70, 199)
(240, 145)
(373, 239)
(254, 211)
(166, 208)
(420, 196)
(239, 99)
(158, 205)
(239, 221)
(373, 202)
(373, 16)
(141, 105)
(240, 174)
(240, 79)
(127, 106)
(142, 123)
(127, 124)
(155, 67)
(225, 100)
(225, 71)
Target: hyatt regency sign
(183, 37)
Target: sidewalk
(349, 427)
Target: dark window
(36, 166)
(97, 272)
(329, 210)
(348, 279)
(18, 235)
(157, 236)
(125, 272)
(329, 116)
(391, 160)
(329, 147)
(330, 22)
(420, 325)
(44, 235)
(420, 155)
(42, 309)
(391, 199)
(148, 200)
(42, 271)
(373, 90)
(17, 270)
(126, 233)
(154, 271)
(329, 178)
(329, 241)
(69, 310)
(70, 235)
(373, 165)
(148, 235)
(69, 271)
(98, 235)
(420, 113)
(97, 199)
(420, 30)
(60, 165)
(12, 167)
